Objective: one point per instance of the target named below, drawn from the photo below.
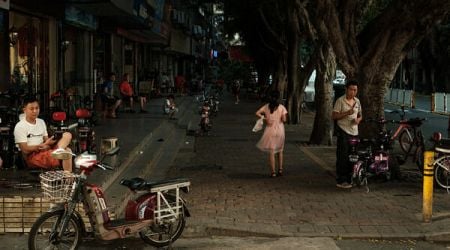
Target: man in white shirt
(40, 151)
(348, 114)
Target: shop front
(28, 54)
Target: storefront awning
(116, 12)
(143, 36)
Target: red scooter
(85, 131)
(157, 214)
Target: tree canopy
(367, 39)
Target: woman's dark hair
(273, 100)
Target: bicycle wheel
(406, 139)
(419, 158)
(442, 171)
(44, 233)
(164, 234)
(394, 168)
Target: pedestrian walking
(272, 140)
(235, 88)
(347, 113)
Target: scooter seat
(139, 184)
(83, 113)
(443, 146)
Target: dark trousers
(343, 167)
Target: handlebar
(415, 122)
(379, 121)
(104, 166)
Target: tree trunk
(279, 78)
(293, 98)
(371, 91)
(325, 73)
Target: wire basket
(57, 185)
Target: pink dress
(272, 139)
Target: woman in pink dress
(272, 141)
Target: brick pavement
(231, 193)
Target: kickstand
(169, 247)
(367, 185)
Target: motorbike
(373, 158)
(157, 214)
(85, 131)
(8, 119)
(59, 126)
(205, 124)
(213, 101)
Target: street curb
(203, 231)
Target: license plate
(353, 158)
(381, 158)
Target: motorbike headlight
(353, 158)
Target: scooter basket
(57, 185)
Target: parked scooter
(205, 124)
(213, 101)
(59, 126)
(158, 214)
(8, 119)
(374, 158)
(85, 131)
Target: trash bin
(108, 143)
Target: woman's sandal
(280, 172)
(273, 175)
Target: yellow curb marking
(316, 159)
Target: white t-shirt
(346, 123)
(32, 134)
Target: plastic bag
(258, 125)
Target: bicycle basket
(57, 185)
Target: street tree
(271, 31)
(369, 48)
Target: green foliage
(231, 70)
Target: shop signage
(4, 4)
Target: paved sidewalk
(231, 193)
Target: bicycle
(416, 147)
(404, 132)
(441, 163)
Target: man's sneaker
(61, 154)
(344, 185)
